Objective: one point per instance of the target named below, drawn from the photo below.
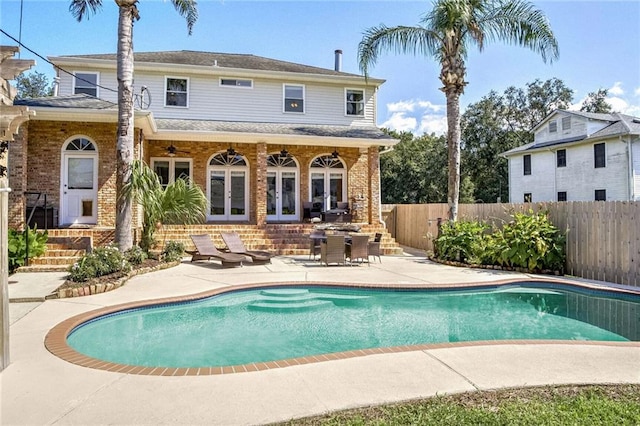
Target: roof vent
(338, 64)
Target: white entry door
(79, 199)
(282, 195)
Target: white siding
(635, 148)
(580, 178)
(580, 126)
(324, 103)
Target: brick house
(578, 156)
(263, 138)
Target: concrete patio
(39, 388)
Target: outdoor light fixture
(171, 151)
(231, 152)
(284, 153)
(335, 153)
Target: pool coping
(56, 339)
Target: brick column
(260, 185)
(17, 173)
(374, 185)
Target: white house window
(601, 195)
(566, 123)
(553, 126)
(599, 156)
(85, 82)
(293, 98)
(562, 196)
(170, 169)
(355, 102)
(561, 158)
(177, 92)
(527, 164)
(236, 82)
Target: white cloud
(400, 122)
(616, 90)
(637, 91)
(416, 116)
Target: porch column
(374, 186)
(260, 186)
(11, 117)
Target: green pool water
(277, 323)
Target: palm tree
(178, 203)
(128, 11)
(446, 33)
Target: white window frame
(75, 86)
(166, 79)
(172, 167)
(555, 123)
(346, 101)
(284, 98)
(236, 86)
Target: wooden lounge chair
(235, 245)
(205, 250)
(333, 250)
(358, 249)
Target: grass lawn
(549, 405)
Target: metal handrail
(29, 216)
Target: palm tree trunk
(124, 154)
(453, 143)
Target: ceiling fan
(171, 151)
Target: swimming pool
(269, 323)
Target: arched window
(328, 181)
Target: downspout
(631, 181)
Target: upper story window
(599, 157)
(600, 195)
(293, 98)
(561, 158)
(177, 92)
(566, 123)
(553, 126)
(355, 102)
(86, 82)
(562, 196)
(236, 82)
(170, 169)
(527, 164)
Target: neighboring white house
(578, 156)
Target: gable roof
(216, 59)
(618, 125)
(78, 101)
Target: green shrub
(135, 255)
(462, 241)
(529, 241)
(173, 251)
(17, 246)
(101, 261)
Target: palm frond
(188, 9)
(81, 8)
(415, 40)
(520, 23)
(183, 203)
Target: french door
(328, 181)
(282, 195)
(228, 191)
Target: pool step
(284, 292)
(289, 307)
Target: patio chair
(374, 247)
(315, 238)
(332, 250)
(235, 245)
(205, 250)
(358, 249)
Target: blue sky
(599, 45)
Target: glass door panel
(217, 192)
(272, 192)
(318, 193)
(335, 189)
(237, 195)
(289, 202)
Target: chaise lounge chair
(205, 250)
(235, 245)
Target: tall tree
(597, 102)
(128, 12)
(500, 122)
(446, 33)
(33, 85)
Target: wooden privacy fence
(603, 238)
